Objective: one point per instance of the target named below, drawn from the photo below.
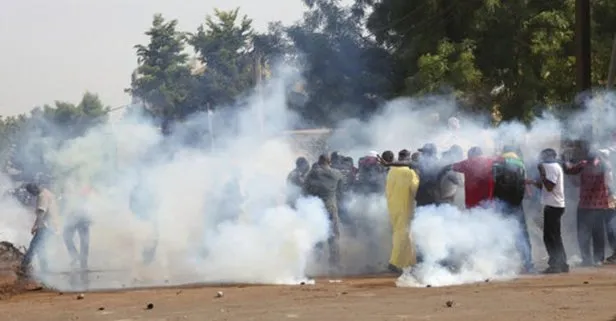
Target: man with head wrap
(324, 182)
(400, 189)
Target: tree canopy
(507, 59)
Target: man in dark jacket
(295, 180)
(509, 189)
(325, 183)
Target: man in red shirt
(478, 178)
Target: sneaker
(611, 259)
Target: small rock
(219, 294)
(150, 306)
(80, 296)
(449, 303)
(101, 308)
(302, 283)
(585, 282)
(344, 293)
(60, 293)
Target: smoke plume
(213, 204)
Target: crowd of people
(499, 183)
(408, 180)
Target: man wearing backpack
(509, 175)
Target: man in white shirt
(552, 187)
(45, 225)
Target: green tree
(347, 74)
(523, 49)
(162, 79)
(224, 46)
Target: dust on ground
(584, 294)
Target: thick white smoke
(218, 215)
(408, 123)
(480, 243)
(194, 196)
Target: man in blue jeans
(45, 225)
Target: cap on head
(428, 149)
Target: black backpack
(509, 175)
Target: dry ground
(581, 295)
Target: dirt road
(581, 295)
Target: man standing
(478, 182)
(594, 207)
(552, 187)
(509, 174)
(400, 189)
(427, 167)
(45, 225)
(451, 181)
(295, 180)
(78, 221)
(324, 182)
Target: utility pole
(582, 39)
(612, 71)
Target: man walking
(400, 189)
(45, 225)
(551, 183)
(324, 182)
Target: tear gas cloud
(194, 195)
(481, 243)
(408, 123)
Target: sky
(58, 49)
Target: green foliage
(525, 48)
(24, 139)
(224, 46)
(162, 79)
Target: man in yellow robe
(401, 187)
